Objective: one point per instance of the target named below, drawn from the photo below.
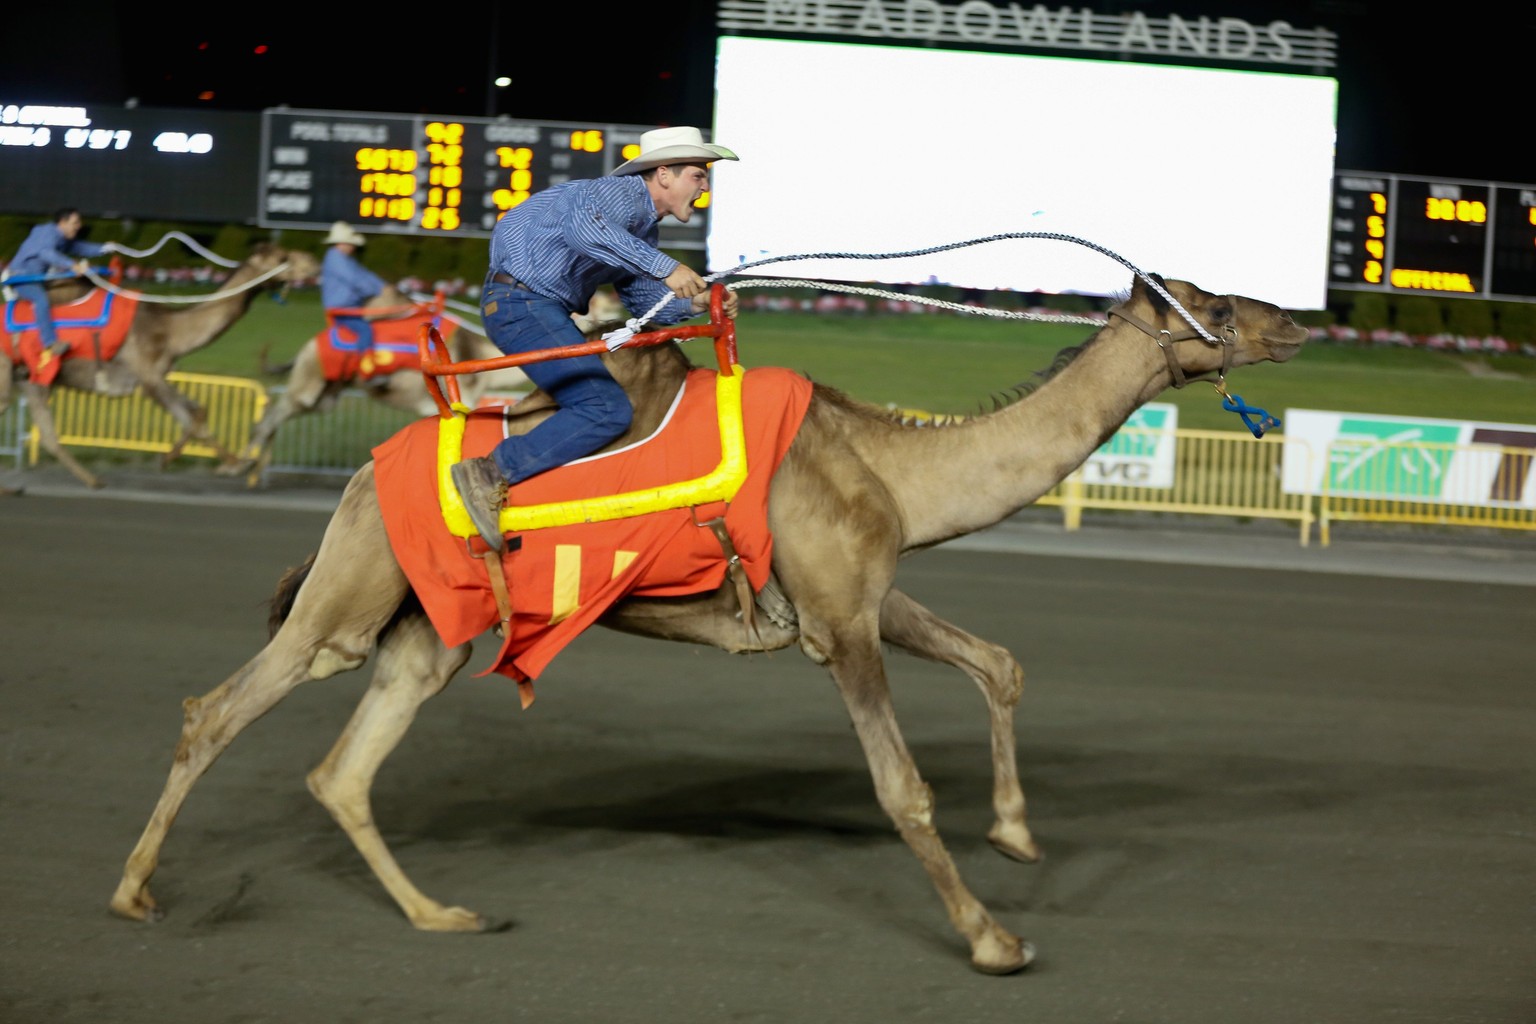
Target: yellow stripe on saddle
(720, 484)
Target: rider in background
(52, 246)
(549, 255)
(347, 284)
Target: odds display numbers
(423, 175)
(1399, 234)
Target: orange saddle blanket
(560, 579)
(344, 357)
(95, 326)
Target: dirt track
(1264, 795)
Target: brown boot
(59, 349)
(483, 488)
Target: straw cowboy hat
(343, 233)
(673, 146)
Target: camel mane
(999, 400)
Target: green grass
(955, 363)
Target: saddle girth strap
(738, 574)
(496, 570)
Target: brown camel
(308, 390)
(858, 489)
(161, 334)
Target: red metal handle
(720, 327)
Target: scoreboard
(127, 162)
(422, 174)
(454, 176)
(1396, 233)
(287, 168)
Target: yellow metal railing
(1211, 472)
(1199, 472)
(136, 423)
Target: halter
(1165, 340)
(1257, 420)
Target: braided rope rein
(616, 339)
(101, 282)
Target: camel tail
(287, 589)
(273, 371)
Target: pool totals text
(422, 175)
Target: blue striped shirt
(345, 283)
(570, 239)
(46, 248)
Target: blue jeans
(593, 407)
(361, 328)
(37, 294)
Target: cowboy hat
(344, 234)
(673, 146)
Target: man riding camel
(52, 247)
(345, 283)
(549, 254)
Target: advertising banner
(1141, 453)
(1407, 458)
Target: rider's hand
(731, 302)
(684, 283)
(81, 266)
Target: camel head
(298, 266)
(1248, 330)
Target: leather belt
(502, 278)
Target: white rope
(449, 304)
(102, 282)
(191, 243)
(958, 307)
(616, 339)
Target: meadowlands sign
(1038, 27)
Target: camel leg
(913, 628)
(413, 665)
(48, 434)
(852, 653)
(193, 419)
(305, 390)
(7, 368)
(353, 590)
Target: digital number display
(422, 174)
(131, 162)
(1402, 234)
(1514, 241)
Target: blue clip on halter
(1235, 403)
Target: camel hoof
(456, 919)
(139, 908)
(1020, 956)
(1015, 844)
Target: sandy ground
(1266, 794)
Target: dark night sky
(1434, 94)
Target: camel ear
(1140, 289)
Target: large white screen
(1218, 177)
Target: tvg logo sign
(1138, 436)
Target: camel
(307, 390)
(158, 336)
(859, 489)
